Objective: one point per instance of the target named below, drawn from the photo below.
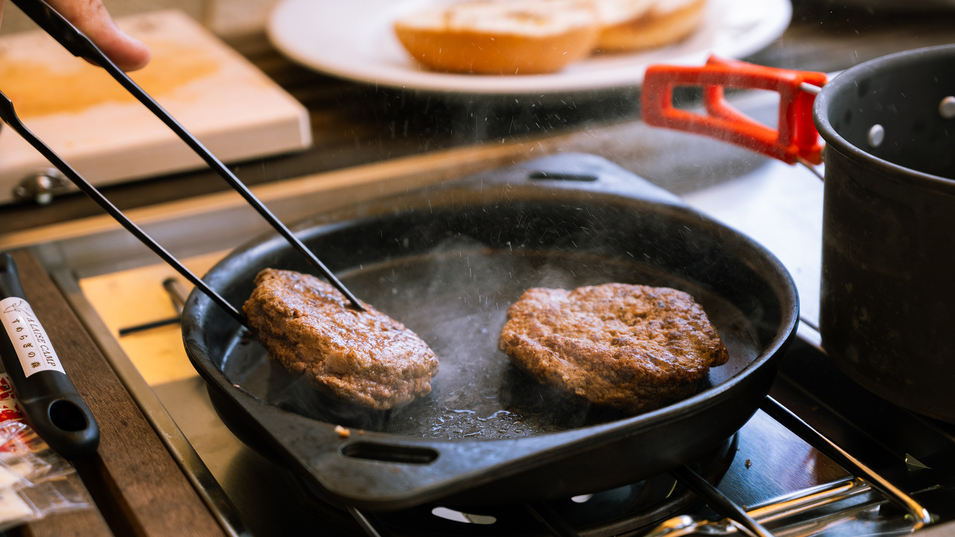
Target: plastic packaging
(35, 481)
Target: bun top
(663, 7)
(529, 18)
(613, 12)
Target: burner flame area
(626, 510)
(461, 516)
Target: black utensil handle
(53, 407)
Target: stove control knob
(41, 186)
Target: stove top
(766, 463)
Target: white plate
(354, 39)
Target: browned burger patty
(364, 357)
(631, 347)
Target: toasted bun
(500, 37)
(631, 25)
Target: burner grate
(616, 512)
(869, 500)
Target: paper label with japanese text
(28, 337)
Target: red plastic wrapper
(9, 408)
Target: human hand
(91, 18)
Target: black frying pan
(447, 262)
(408, 256)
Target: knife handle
(53, 407)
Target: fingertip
(128, 53)
(134, 56)
(91, 18)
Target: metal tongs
(81, 46)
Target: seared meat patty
(364, 357)
(631, 347)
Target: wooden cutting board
(107, 136)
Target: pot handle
(795, 140)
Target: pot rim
(848, 78)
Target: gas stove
(767, 469)
(775, 468)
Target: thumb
(91, 18)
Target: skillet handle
(53, 407)
(796, 138)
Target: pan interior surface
(454, 293)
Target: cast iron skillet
(447, 262)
